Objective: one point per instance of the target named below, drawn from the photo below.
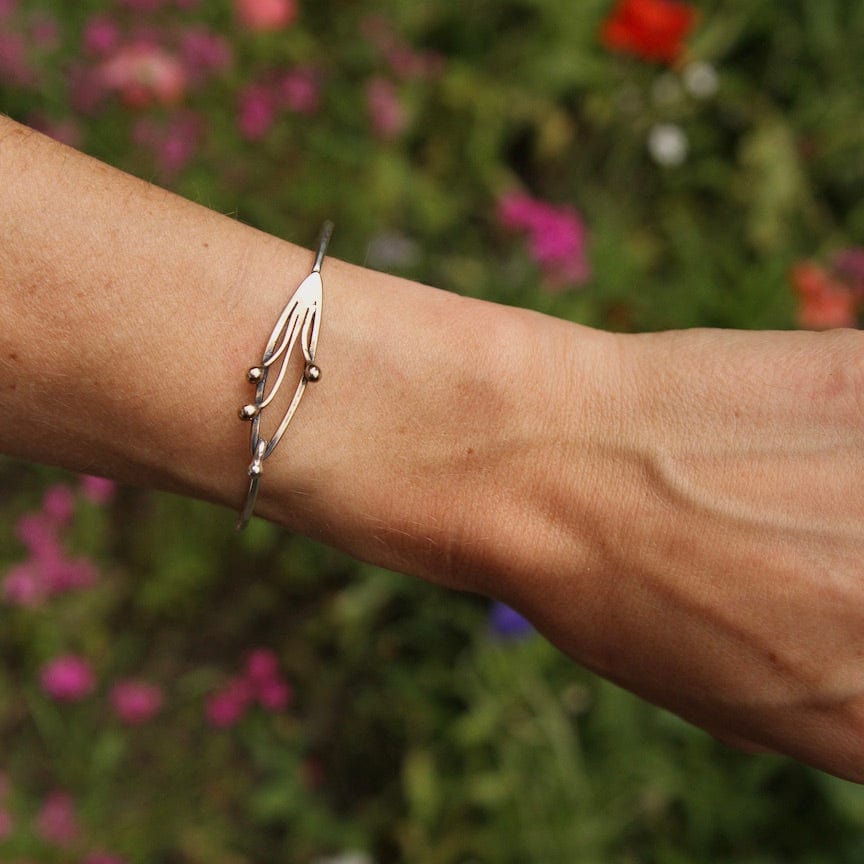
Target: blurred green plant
(679, 190)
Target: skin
(681, 512)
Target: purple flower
(68, 678)
(507, 623)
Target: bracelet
(301, 318)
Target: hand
(722, 567)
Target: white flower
(701, 80)
(668, 144)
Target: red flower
(824, 302)
(650, 29)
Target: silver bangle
(300, 319)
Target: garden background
(173, 692)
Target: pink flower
(15, 69)
(7, 7)
(38, 533)
(98, 490)
(299, 89)
(557, 235)
(136, 702)
(275, 695)
(24, 586)
(228, 706)
(262, 672)
(56, 821)
(385, 108)
(204, 52)
(265, 15)
(262, 665)
(68, 678)
(101, 35)
(58, 504)
(256, 111)
(103, 858)
(173, 144)
(143, 73)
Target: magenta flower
(262, 665)
(256, 111)
(7, 7)
(261, 681)
(68, 678)
(557, 236)
(228, 706)
(299, 89)
(15, 68)
(98, 490)
(173, 144)
(385, 108)
(265, 15)
(275, 695)
(101, 36)
(56, 821)
(204, 52)
(49, 570)
(136, 702)
(58, 504)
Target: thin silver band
(300, 320)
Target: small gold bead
(248, 412)
(312, 373)
(255, 374)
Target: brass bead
(248, 412)
(312, 373)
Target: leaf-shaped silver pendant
(300, 321)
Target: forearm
(131, 317)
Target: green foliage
(415, 734)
